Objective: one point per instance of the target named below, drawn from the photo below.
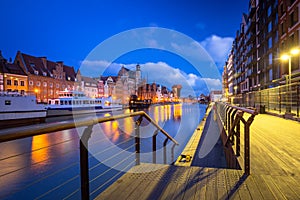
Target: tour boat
(17, 109)
(76, 102)
(136, 103)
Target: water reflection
(39, 152)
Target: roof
(44, 66)
(11, 68)
(104, 78)
(86, 79)
(70, 72)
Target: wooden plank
(242, 185)
(253, 189)
(221, 185)
(211, 185)
(287, 187)
(201, 184)
(263, 187)
(273, 187)
(231, 185)
(191, 186)
(177, 185)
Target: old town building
(45, 78)
(12, 77)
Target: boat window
(56, 102)
(91, 102)
(61, 103)
(7, 102)
(70, 102)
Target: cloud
(160, 73)
(218, 48)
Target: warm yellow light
(36, 90)
(295, 51)
(285, 57)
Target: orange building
(46, 78)
(12, 77)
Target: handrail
(231, 116)
(11, 134)
(29, 131)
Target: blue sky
(69, 30)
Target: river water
(47, 166)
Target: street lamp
(288, 57)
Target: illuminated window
(22, 83)
(15, 82)
(8, 82)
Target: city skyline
(69, 32)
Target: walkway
(275, 171)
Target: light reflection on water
(24, 161)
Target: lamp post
(289, 76)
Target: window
(36, 72)
(292, 18)
(22, 83)
(270, 59)
(8, 82)
(51, 85)
(270, 42)
(269, 11)
(57, 85)
(30, 82)
(269, 26)
(270, 75)
(38, 83)
(15, 82)
(45, 84)
(44, 74)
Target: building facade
(12, 77)
(289, 37)
(261, 78)
(45, 78)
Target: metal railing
(29, 131)
(280, 100)
(231, 117)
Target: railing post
(137, 140)
(154, 146)
(84, 163)
(247, 144)
(232, 122)
(238, 139)
(298, 97)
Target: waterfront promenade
(274, 170)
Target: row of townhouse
(45, 78)
(269, 30)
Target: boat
(136, 103)
(20, 109)
(71, 102)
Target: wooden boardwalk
(275, 171)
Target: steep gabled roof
(70, 72)
(11, 68)
(34, 64)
